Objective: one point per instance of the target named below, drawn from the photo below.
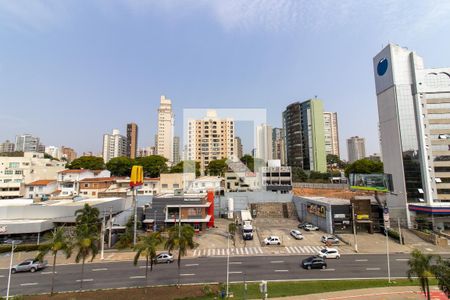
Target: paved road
(202, 270)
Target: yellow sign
(137, 176)
(362, 217)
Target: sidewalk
(386, 293)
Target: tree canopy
(153, 165)
(217, 167)
(120, 166)
(87, 162)
(364, 166)
(188, 166)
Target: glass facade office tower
(303, 124)
(414, 116)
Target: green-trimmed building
(304, 134)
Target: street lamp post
(13, 243)
(154, 222)
(228, 263)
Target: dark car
(314, 262)
(302, 225)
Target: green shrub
(20, 248)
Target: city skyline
(245, 63)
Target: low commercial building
(69, 180)
(334, 215)
(41, 189)
(204, 184)
(196, 210)
(171, 182)
(92, 187)
(276, 179)
(241, 182)
(16, 172)
(25, 220)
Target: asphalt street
(201, 270)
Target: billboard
(316, 209)
(371, 182)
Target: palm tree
(147, 247)
(86, 235)
(442, 273)
(86, 243)
(420, 266)
(181, 238)
(58, 241)
(88, 215)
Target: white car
(297, 234)
(329, 253)
(332, 239)
(272, 240)
(310, 227)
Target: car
(272, 240)
(302, 225)
(314, 262)
(329, 253)
(296, 234)
(310, 227)
(329, 239)
(164, 258)
(29, 265)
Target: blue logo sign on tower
(382, 66)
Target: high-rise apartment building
(68, 153)
(164, 141)
(278, 145)
(176, 150)
(413, 110)
(238, 147)
(264, 142)
(114, 145)
(53, 151)
(356, 147)
(7, 147)
(147, 151)
(210, 139)
(132, 140)
(304, 135)
(28, 143)
(330, 125)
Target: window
(9, 172)
(13, 165)
(164, 185)
(18, 172)
(176, 186)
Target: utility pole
(228, 263)
(102, 236)
(399, 231)
(110, 228)
(133, 190)
(354, 228)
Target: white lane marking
(260, 250)
(2, 276)
(85, 280)
(45, 273)
(235, 262)
(361, 260)
(27, 284)
(143, 267)
(187, 274)
(277, 261)
(191, 265)
(136, 277)
(288, 250)
(195, 252)
(318, 248)
(99, 269)
(299, 249)
(402, 259)
(329, 270)
(235, 272)
(373, 269)
(310, 250)
(209, 252)
(246, 251)
(281, 270)
(223, 251)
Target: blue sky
(73, 70)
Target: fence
(330, 186)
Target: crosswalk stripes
(303, 249)
(224, 252)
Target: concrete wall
(274, 210)
(325, 224)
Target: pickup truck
(29, 265)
